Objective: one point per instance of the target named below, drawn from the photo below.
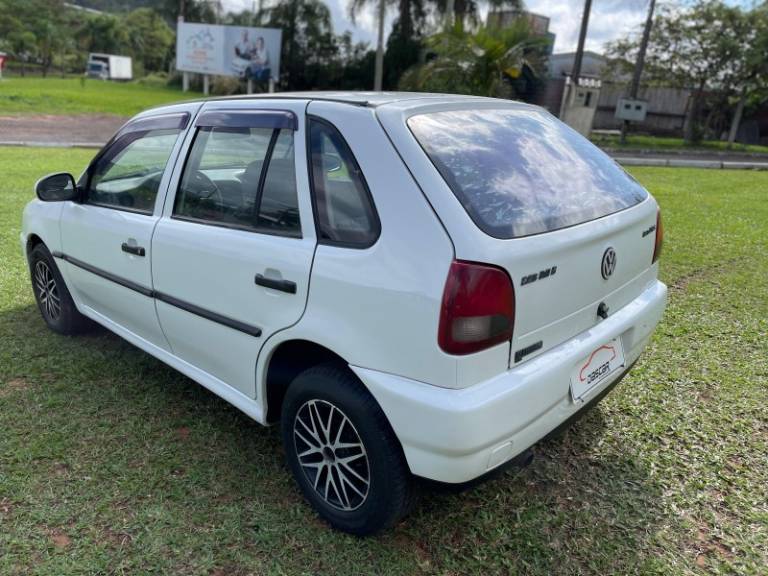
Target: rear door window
(241, 177)
(519, 172)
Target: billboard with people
(246, 52)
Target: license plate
(599, 365)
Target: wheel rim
(331, 455)
(47, 290)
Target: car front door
(106, 238)
(233, 250)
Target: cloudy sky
(610, 19)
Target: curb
(675, 163)
(721, 154)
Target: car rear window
(520, 172)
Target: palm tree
(410, 12)
(476, 62)
(308, 40)
(466, 11)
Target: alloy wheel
(47, 290)
(331, 455)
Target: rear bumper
(457, 435)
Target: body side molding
(254, 331)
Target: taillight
(478, 308)
(659, 237)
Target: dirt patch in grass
(6, 508)
(59, 538)
(13, 386)
(704, 273)
(116, 539)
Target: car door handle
(131, 249)
(282, 285)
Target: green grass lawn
(34, 95)
(662, 143)
(112, 463)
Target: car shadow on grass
(578, 507)
(103, 439)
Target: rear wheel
(53, 299)
(343, 452)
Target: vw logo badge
(609, 263)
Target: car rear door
(233, 250)
(106, 238)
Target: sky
(609, 20)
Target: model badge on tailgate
(530, 278)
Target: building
(592, 64)
(539, 24)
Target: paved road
(49, 130)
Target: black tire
(53, 299)
(388, 495)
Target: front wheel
(343, 452)
(53, 299)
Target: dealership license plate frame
(600, 364)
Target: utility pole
(184, 75)
(576, 72)
(378, 77)
(635, 86)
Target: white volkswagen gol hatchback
(413, 285)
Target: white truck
(109, 67)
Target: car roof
(356, 98)
(401, 100)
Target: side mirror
(56, 187)
(331, 162)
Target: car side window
(127, 176)
(344, 208)
(241, 178)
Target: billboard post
(184, 75)
(252, 54)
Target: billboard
(229, 50)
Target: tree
(194, 10)
(356, 60)
(477, 62)
(402, 53)
(410, 13)
(14, 38)
(102, 33)
(309, 45)
(151, 39)
(32, 31)
(699, 48)
(466, 12)
(749, 76)
(23, 44)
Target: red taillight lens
(478, 308)
(659, 237)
